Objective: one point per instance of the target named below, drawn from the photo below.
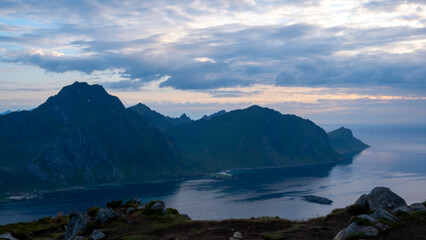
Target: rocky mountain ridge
(84, 136)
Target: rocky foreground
(381, 214)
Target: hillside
(134, 220)
(158, 120)
(82, 136)
(345, 143)
(253, 137)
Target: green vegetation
(147, 224)
(274, 236)
(361, 221)
(356, 210)
(43, 225)
(115, 204)
(355, 236)
(92, 211)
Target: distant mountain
(82, 136)
(6, 112)
(220, 113)
(253, 137)
(345, 143)
(157, 119)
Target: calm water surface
(396, 159)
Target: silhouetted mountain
(6, 112)
(82, 136)
(253, 137)
(345, 143)
(220, 113)
(157, 119)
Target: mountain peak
(82, 88)
(184, 117)
(81, 100)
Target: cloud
(202, 45)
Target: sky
(334, 62)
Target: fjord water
(396, 159)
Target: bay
(396, 159)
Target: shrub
(115, 204)
(92, 211)
(357, 210)
(361, 221)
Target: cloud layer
(202, 45)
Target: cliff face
(253, 137)
(82, 136)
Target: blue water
(396, 159)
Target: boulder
(130, 210)
(401, 210)
(106, 214)
(78, 222)
(159, 206)
(97, 234)
(417, 207)
(316, 199)
(238, 235)
(355, 228)
(380, 197)
(362, 201)
(374, 221)
(7, 236)
(383, 214)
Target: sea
(396, 159)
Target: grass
(46, 224)
(355, 236)
(274, 236)
(149, 224)
(361, 221)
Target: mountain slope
(345, 143)
(157, 119)
(83, 136)
(253, 137)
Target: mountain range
(84, 136)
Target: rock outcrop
(159, 206)
(380, 197)
(106, 214)
(383, 203)
(354, 228)
(78, 222)
(97, 234)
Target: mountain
(220, 113)
(345, 143)
(6, 112)
(157, 119)
(82, 136)
(253, 137)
